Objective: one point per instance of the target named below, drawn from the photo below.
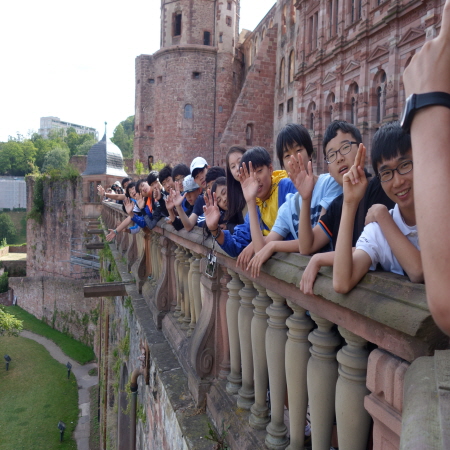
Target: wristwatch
(417, 101)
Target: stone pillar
(191, 296)
(353, 421)
(322, 377)
(276, 338)
(178, 283)
(259, 417)
(297, 357)
(196, 297)
(247, 391)
(182, 258)
(224, 365)
(233, 305)
(187, 298)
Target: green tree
(7, 228)
(9, 325)
(57, 158)
(84, 147)
(123, 137)
(15, 157)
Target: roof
(105, 158)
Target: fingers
(310, 170)
(360, 155)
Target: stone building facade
(307, 62)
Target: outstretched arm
(430, 134)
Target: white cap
(198, 163)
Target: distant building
(55, 123)
(14, 192)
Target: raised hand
(259, 259)
(177, 197)
(101, 190)
(355, 181)
(169, 201)
(129, 205)
(375, 213)
(303, 179)
(211, 211)
(249, 182)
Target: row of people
(346, 218)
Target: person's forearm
(188, 225)
(255, 230)
(115, 196)
(305, 231)
(123, 225)
(284, 246)
(407, 255)
(343, 258)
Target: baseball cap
(198, 163)
(189, 184)
(117, 183)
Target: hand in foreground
(245, 257)
(429, 69)
(249, 182)
(355, 181)
(101, 190)
(303, 179)
(177, 198)
(211, 211)
(259, 259)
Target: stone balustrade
(238, 338)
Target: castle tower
(185, 91)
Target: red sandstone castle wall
(255, 105)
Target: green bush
(4, 282)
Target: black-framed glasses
(343, 150)
(403, 168)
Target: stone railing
(238, 338)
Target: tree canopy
(9, 325)
(7, 228)
(123, 137)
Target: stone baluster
(191, 296)
(172, 267)
(276, 337)
(353, 421)
(322, 377)
(233, 305)
(259, 417)
(182, 257)
(224, 365)
(187, 298)
(247, 391)
(297, 356)
(178, 283)
(196, 298)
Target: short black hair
(152, 177)
(344, 127)
(390, 141)
(290, 135)
(259, 157)
(165, 172)
(180, 169)
(214, 173)
(197, 170)
(125, 180)
(127, 189)
(138, 185)
(221, 181)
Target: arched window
(291, 66)
(249, 134)
(381, 96)
(353, 91)
(256, 46)
(188, 112)
(263, 34)
(282, 74)
(330, 107)
(310, 116)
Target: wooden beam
(105, 289)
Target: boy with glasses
(389, 237)
(340, 146)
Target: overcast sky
(75, 60)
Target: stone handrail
(343, 355)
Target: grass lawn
(71, 347)
(35, 395)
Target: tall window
(291, 66)
(381, 96)
(311, 109)
(188, 112)
(282, 74)
(206, 38)
(229, 6)
(353, 91)
(177, 24)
